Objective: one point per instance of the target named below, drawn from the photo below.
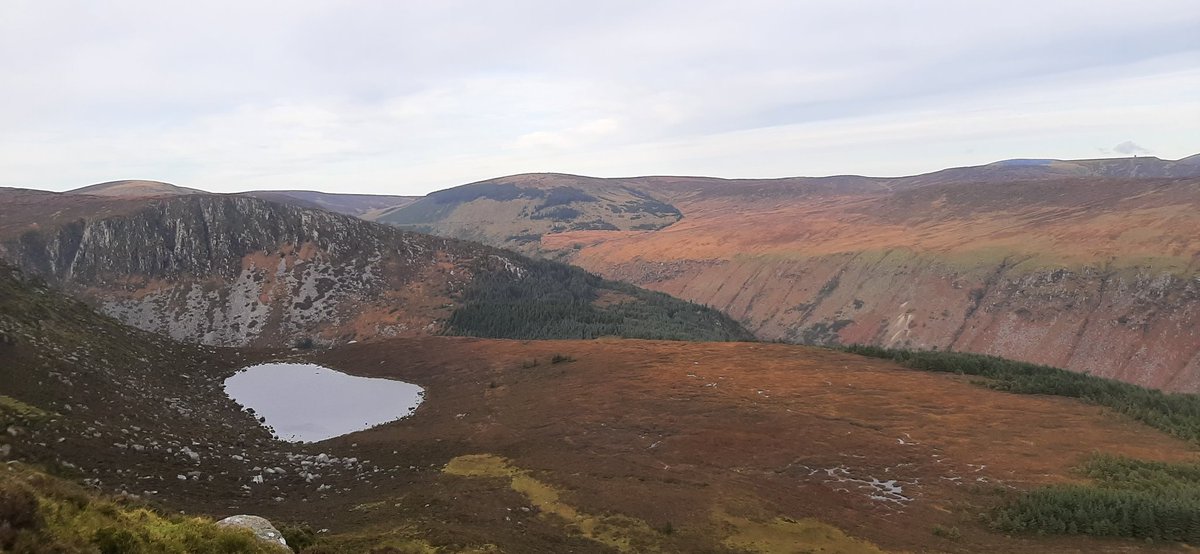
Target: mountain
(366, 206)
(1090, 265)
(515, 211)
(233, 270)
(594, 446)
(135, 188)
(82, 389)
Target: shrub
(18, 512)
(951, 533)
(111, 540)
(298, 537)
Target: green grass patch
(1175, 413)
(44, 514)
(1131, 498)
(12, 408)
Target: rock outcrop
(237, 271)
(261, 527)
(231, 270)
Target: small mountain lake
(309, 403)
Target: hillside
(237, 271)
(515, 212)
(635, 446)
(366, 206)
(1084, 264)
(550, 446)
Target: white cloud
(1130, 148)
(410, 97)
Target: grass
(790, 535)
(628, 534)
(43, 514)
(14, 411)
(951, 533)
(623, 533)
(1174, 413)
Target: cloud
(1130, 148)
(408, 97)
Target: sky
(397, 97)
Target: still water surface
(309, 403)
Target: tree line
(1175, 413)
(551, 300)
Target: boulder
(259, 526)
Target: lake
(309, 403)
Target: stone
(261, 528)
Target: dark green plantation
(1127, 498)
(557, 301)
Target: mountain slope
(515, 211)
(1095, 275)
(366, 206)
(543, 446)
(1085, 264)
(233, 270)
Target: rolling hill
(135, 188)
(513, 212)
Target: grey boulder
(259, 526)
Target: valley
(538, 407)
(545, 446)
(664, 277)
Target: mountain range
(1091, 265)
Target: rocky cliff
(232, 270)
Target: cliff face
(1093, 275)
(1135, 325)
(240, 271)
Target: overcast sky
(409, 97)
